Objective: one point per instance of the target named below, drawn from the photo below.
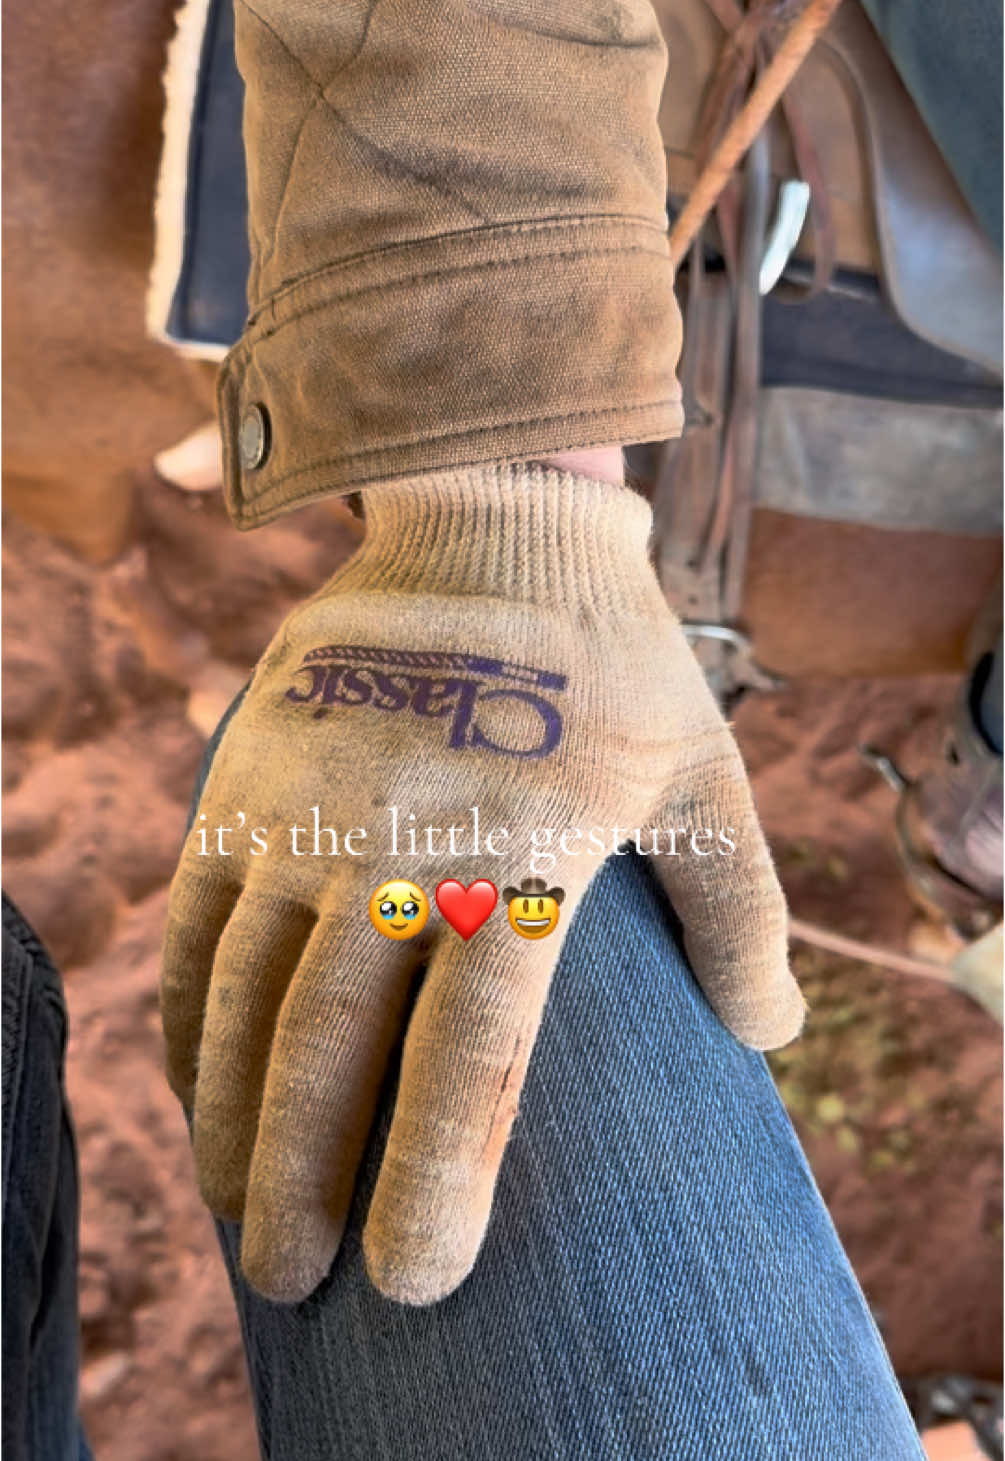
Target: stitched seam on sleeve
(321, 89)
(256, 336)
(330, 461)
(267, 254)
(276, 36)
(536, 225)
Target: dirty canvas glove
(500, 642)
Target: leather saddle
(898, 213)
(828, 391)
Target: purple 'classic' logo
(435, 686)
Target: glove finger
(338, 1023)
(255, 960)
(200, 903)
(724, 888)
(463, 1065)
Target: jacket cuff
(477, 346)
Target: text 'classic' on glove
(499, 642)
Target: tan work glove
(499, 641)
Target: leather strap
(705, 488)
(736, 486)
(753, 38)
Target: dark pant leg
(40, 1209)
(660, 1280)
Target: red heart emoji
(466, 909)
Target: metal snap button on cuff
(253, 437)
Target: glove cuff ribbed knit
(523, 532)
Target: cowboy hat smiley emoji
(532, 909)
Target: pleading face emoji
(532, 909)
(399, 909)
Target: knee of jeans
(34, 1103)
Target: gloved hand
(499, 641)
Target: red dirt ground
(114, 678)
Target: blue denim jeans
(660, 1280)
(40, 1212)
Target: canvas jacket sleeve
(458, 241)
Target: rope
(853, 948)
(748, 122)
